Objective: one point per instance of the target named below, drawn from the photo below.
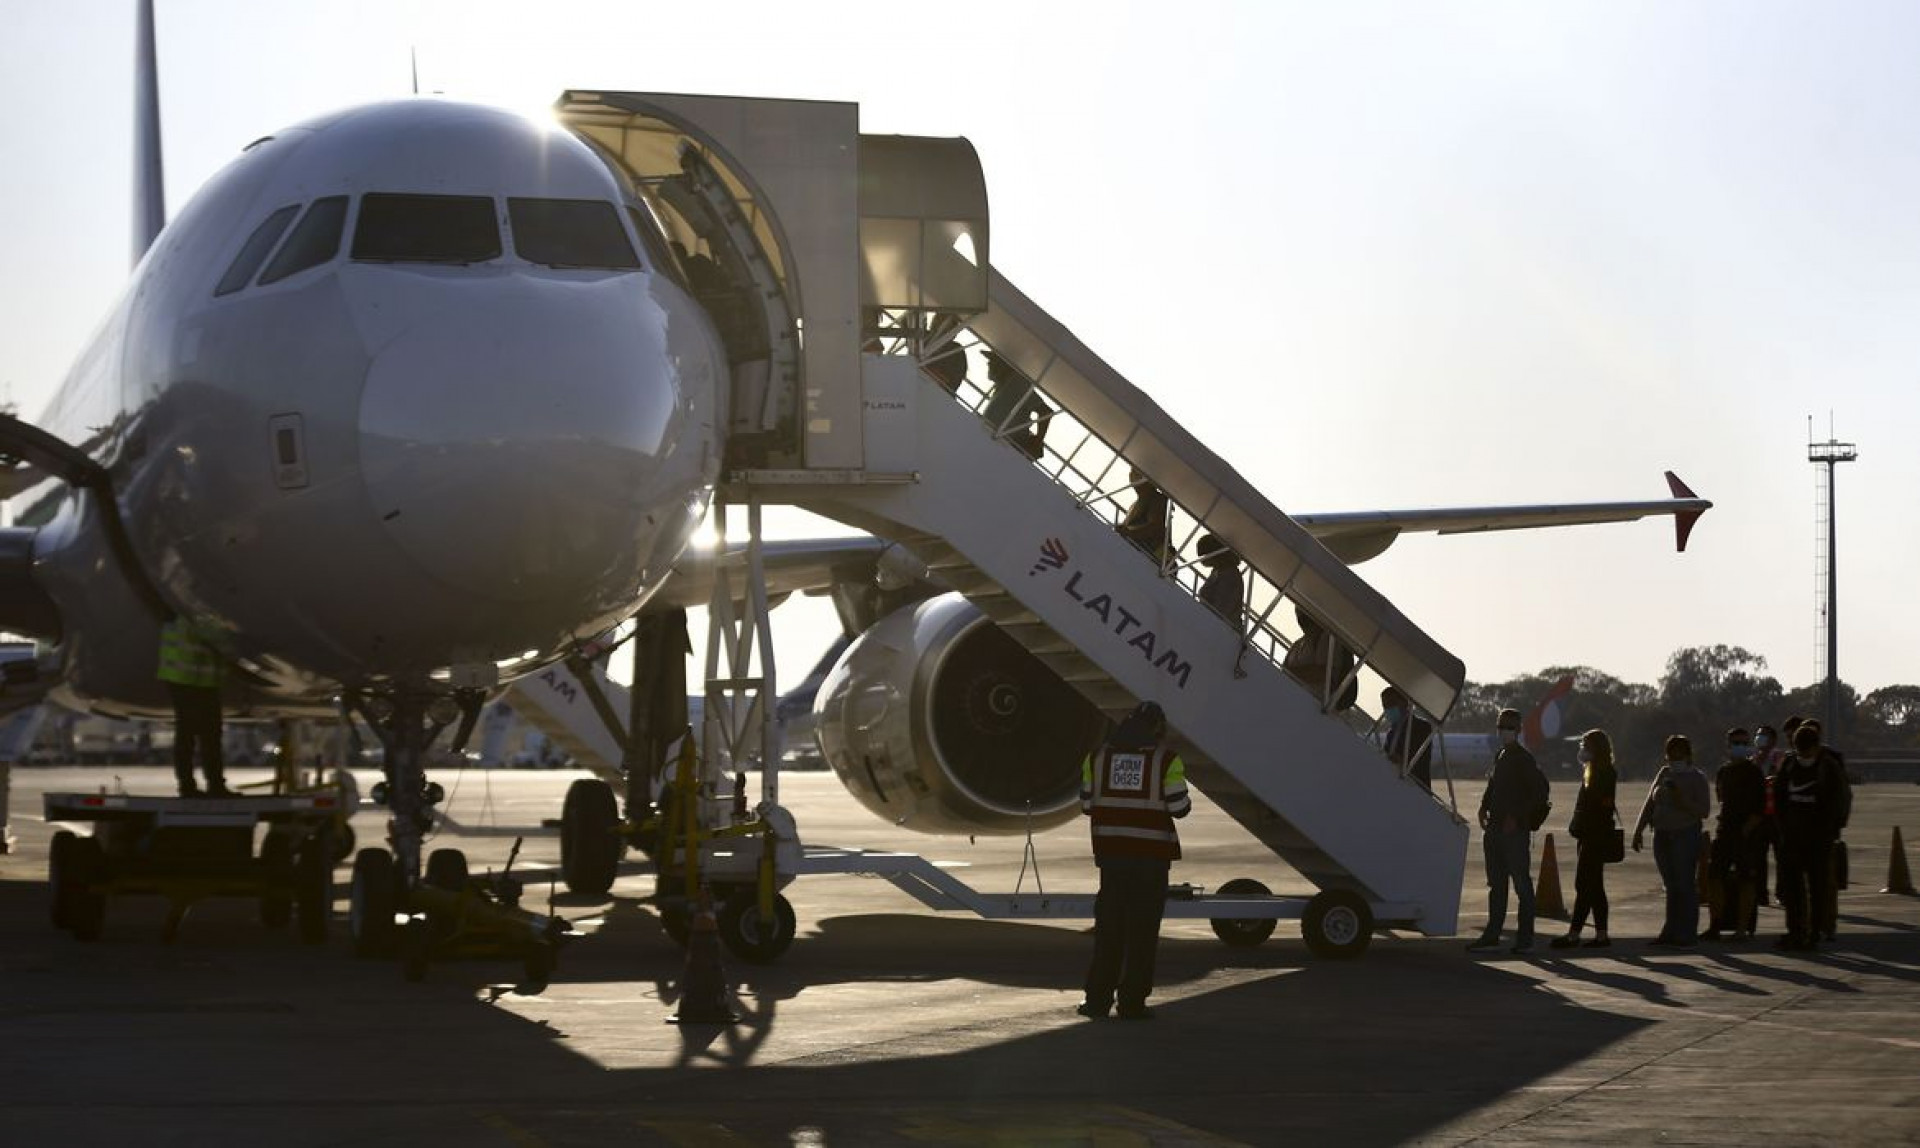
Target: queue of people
(1794, 802)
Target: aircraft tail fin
(149, 190)
(1683, 521)
(1543, 721)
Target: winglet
(1684, 520)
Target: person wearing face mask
(1676, 805)
(1733, 859)
(1594, 831)
(1408, 742)
(1766, 757)
(1514, 804)
(1807, 796)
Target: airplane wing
(816, 565)
(1359, 535)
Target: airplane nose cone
(548, 449)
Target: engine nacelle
(939, 722)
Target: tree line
(1705, 691)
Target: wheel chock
(703, 985)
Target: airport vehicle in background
(508, 368)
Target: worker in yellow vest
(190, 666)
(1132, 789)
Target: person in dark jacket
(1767, 756)
(1132, 788)
(1593, 828)
(1806, 798)
(1733, 862)
(1409, 738)
(1514, 791)
(1827, 925)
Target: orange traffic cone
(703, 986)
(1898, 879)
(1547, 901)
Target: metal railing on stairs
(1099, 461)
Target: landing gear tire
(589, 838)
(313, 888)
(276, 865)
(371, 904)
(75, 864)
(750, 937)
(1337, 924)
(343, 842)
(1243, 932)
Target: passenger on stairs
(1509, 810)
(1321, 663)
(1226, 591)
(1132, 788)
(1014, 408)
(1408, 740)
(1146, 522)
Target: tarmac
(888, 1024)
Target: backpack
(1541, 806)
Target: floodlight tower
(1827, 455)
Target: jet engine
(939, 722)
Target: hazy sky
(1376, 255)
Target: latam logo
(1124, 622)
(1053, 556)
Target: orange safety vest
(1132, 801)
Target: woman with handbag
(1598, 839)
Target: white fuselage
(377, 469)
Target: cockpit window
(426, 229)
(254, 252)
(653, 237)
(314, 242)
(571, 233)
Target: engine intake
(939, 722)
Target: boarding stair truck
(1014, 505)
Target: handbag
(1613, 846)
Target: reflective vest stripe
(186, 660)
(1124, 831)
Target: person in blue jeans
(1513, 791)
(1676, 806)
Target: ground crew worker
(1807, 797)
(191, 668)
(1510, 809)
(1132, 788)
(1733, 862)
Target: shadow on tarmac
(1378, 1050)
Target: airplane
(1468, 751)
(415, 399)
